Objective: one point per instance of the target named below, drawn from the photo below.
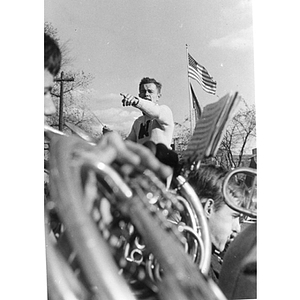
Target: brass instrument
(148, 243)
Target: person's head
(223, 222)
(150, 89)
(52, 61)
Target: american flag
(196, 105)
(200, 74)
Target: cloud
(99, 101)
(236, 17)
(109, 110)
(240, 11)
(118, 119)
(98, 95)
(239, 40)
(110, 97)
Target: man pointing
(156, 123)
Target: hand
(129, 100)
(129, 155)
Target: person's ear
(208, 207)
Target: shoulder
(140, 119)
(166, 111)
(238, 273)
(165, 107)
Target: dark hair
(52, 55)
(208, 183)
(146, 80)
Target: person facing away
(223, 222)
(156, 123)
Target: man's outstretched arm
(160, 112)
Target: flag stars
(200, 74)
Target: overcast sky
(119, 42)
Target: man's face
(224, 224)
(49, 107)
(149, 92)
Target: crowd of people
(148, 146)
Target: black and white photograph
(150, 150)
(154, 154)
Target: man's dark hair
(208, 183)
(52, 55)
(146, 80)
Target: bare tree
(182, 135)
(77, 112)
(238, 140)
(63, 46)
(239, 135)
(75, 93)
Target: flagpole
(192, 123)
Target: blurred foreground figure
(52, 62)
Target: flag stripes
(200, 74)
(196, 105)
